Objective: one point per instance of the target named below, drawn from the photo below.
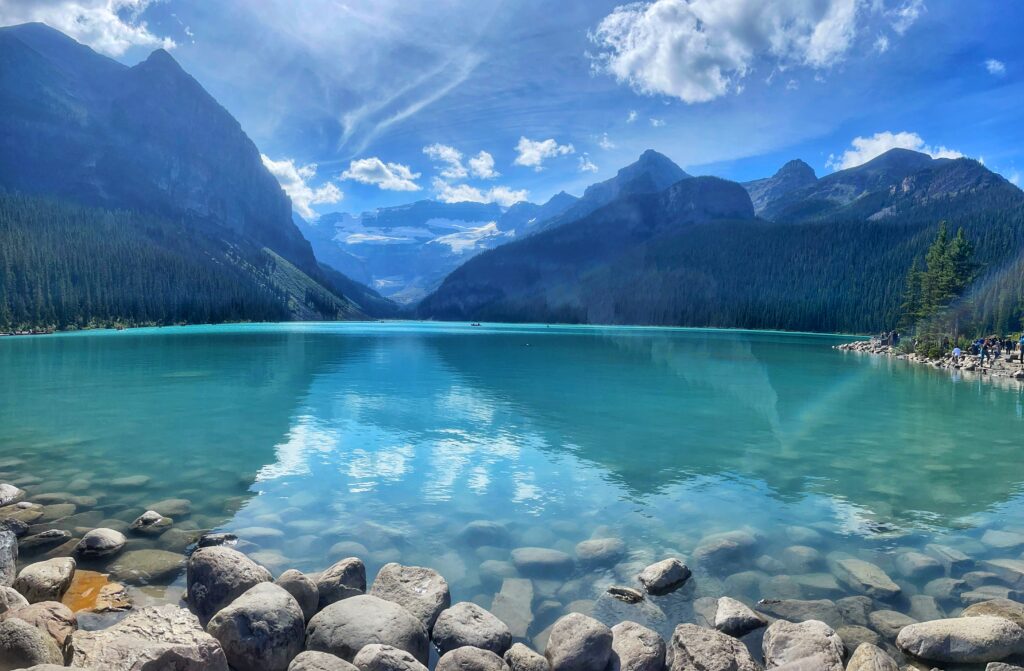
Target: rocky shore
(1005, 368)
(61, 605)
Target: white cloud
(906, 15)
(295, 182)
(450, 157)
(482, 166)
(108, 26)
(863, 149)
(631, 117)
(387, 176)
(586, 165)
(994, 67)
(881, 44)
(657, 123)
(533, 153)
(792, 85)
(458, 193)
(699, 50)
(605, 142)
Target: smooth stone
(513, 605)
(94, 592)
(664, 576)
(817, 585)
(983, 638)
(421, 591)
(9, 494)
(799, 610)
(696, 648)
(889, 623)
(130, 481)
(348, 549)
(868, 657)
(1004, 608)
(261, 630)
(853, 610)
(600, 551)
(496, 570)
(924, 608)
(636, 648)
(46, 580)
(952, 560)
(865, 577)
(800, 559)
(342, 580)
(55, 512)
(978, 579)
(303, 590)
(786, 642)
(344, 627)
(8, 556)
(945, 589)
(320, 661)
(918, 566)
(378, 657)
(142, 567)
(1009, 570)
(215, 539)
(521, 658)
(578, 643)
(537, 562)
(10, 599)
(719, 552)
(1002, 540)
(854, 634)
(151, 523)
(734, 618)
(990, 593)
(219, 575)
(467, 624)
(42, 541)
(484, 532)
(23, 644)
(100, 543)
(21, 512)
(53, 618)
(156, 637)
(173, 508)
(470, 659)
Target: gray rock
(43, 541)
(853, 635)
(1005, 608)
(484, 532)
(1002, 540)
(220, 538)
(953, 560)
(46, 580)
(924, 608)
(735, 619)
(1000, 666)
(100, 543)
(378, 657)
(853, 610)
(151, 523)
(9, 495)
(799, 610)
(600, 551)
(22, 645)
(719, 553)
(865, 577)
(173, 508)
(143, 567)
(494, 571)
(636, 648)
(421, 591)
(991, 593)
(343, 579)
(918, 566)
(786, 642)
(696, 648)
(261, 630)
(10, 599)
(611, 610)
(945, 589)
(156, 637)
(578, 643)
(521, 658)
(868, 657)
(888, 623)
(1011, 571)
(52, 618)
(978, 579)
(467, 624)
(344, 627)
(8, 556)
(302, 588)
(320, 661)
(800, 559)
(534, 562)
(469, 658)
(219, 575)
(983, 638)
(664, 576)
(513, 605)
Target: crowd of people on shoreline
(991, 348)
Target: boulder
(94, 592)
(468, 658)
(378, 657)
(156, 637)
(953, 560)
(421, 591)
(800, 610)
(343, 579)
(600, 552)
(578, 643)
(303, 590)
(800, 559)
(1005, 608)
(46, 580)
(151, 523)
(786, 642)
(664, 576)
(854, 634)
(100, 543)
(964, 640)
(888, 623)
(319, 661)
(43, 541)
(143, 567)
(9, 494)
(532, 562)
(219, 575)
(8, 556)
(484, 532)
(22, 645)
(919, 566)
(735, 618)
(945, 589)
(11, 599)
(636, 648)
(261, 630)
(696, 648)
(467, 624)
(1010, 571)
(865, 577)
(513, 605)
(718, 553)
(868, 657)
(344, 627)
(852, 610)
(173, 508)
(50, 617)
(521, 658)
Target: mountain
(794, 175)
(81, 128)
(404, 252)
(696, 255)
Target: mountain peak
(796, 168)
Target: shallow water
(397, 435)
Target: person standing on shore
(984, 352)
(956, 355)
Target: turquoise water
(395, 436)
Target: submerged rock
(173, 508)
(696, 648)
(421, 591)
(888, 623)
(467, 624)
(636, 648)
(664, 576)
(42, 541)
(151, 523)
(797, 610)
(143, 567)
(344, 627)
(484, 532)
(9, 494)
(219, 575)
(100, 543)
(600, 551)
(46, 580)
(542, 562)
(918, 566)
(983, 638)
(513, 605)
(261, 630)
(94, 592)
(865, 577)
(578, 643)
(719, 552)
(787, 642)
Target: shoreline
(1001, 370)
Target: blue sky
(365, 104)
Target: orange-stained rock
(93, 591)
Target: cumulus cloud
(605, 142)
(108, 26)
(657, 123)
(994, 67)
(450, 158)
(294, 179)
(458, 193)
(881, 44)
(533, 153)
(482, 166)
(586, 165)
(863, 149)
(699, 50)
(631, 117)
(387, 176)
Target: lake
(318, 441)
